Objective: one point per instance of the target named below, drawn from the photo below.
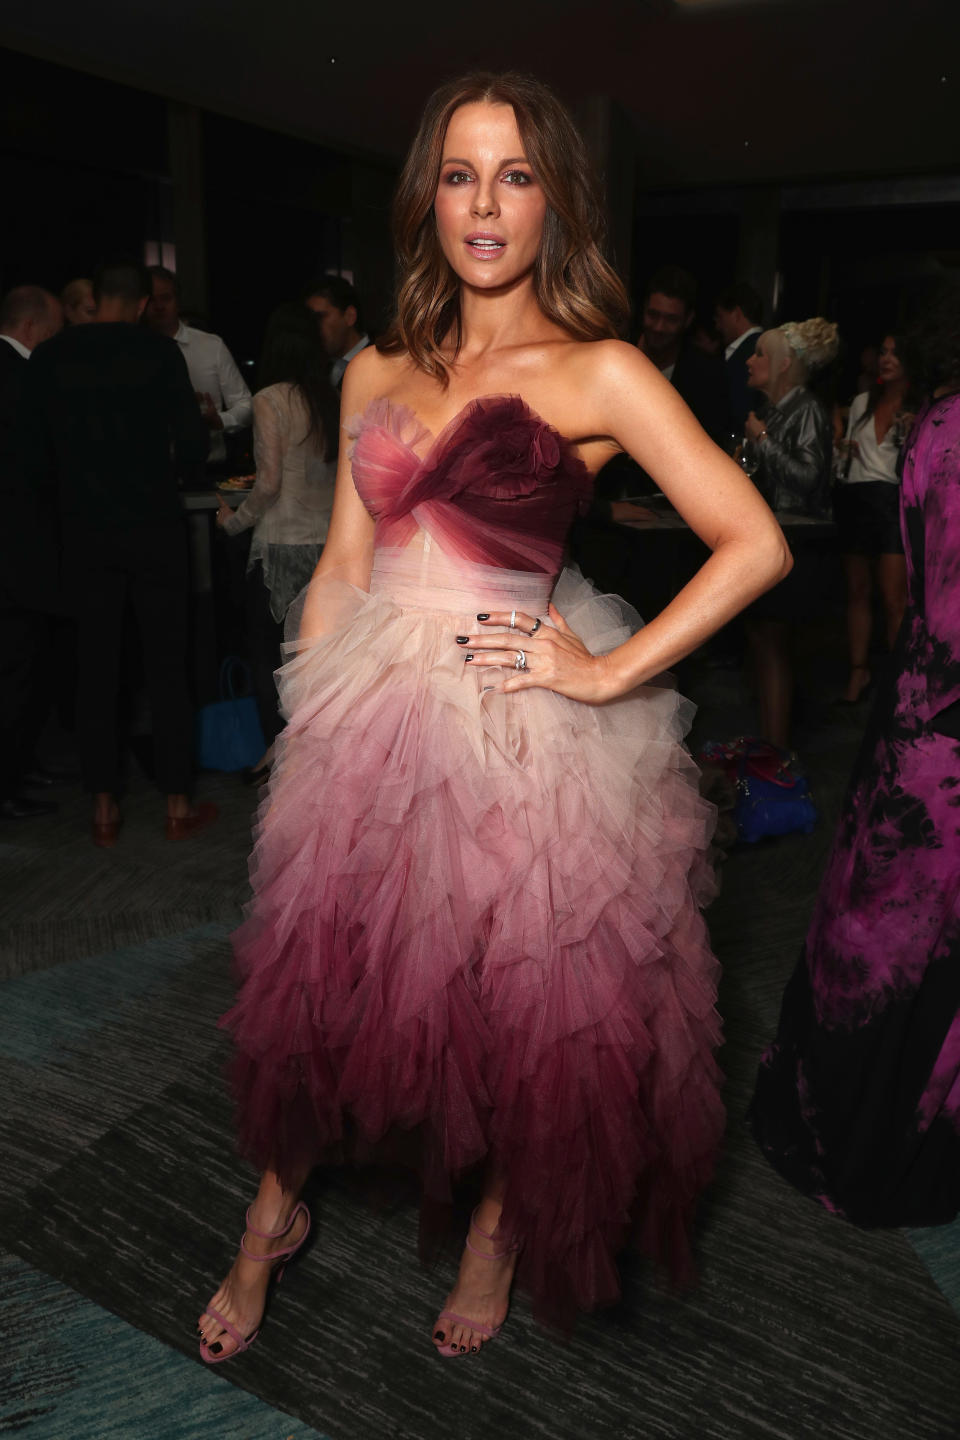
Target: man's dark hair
(25, 302)
(160, 272)
(741, 295)
(338, 291)
(675, 283)
(121, 280)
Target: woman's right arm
(348, 551)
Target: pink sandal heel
(278, 1258)
(449, 1351)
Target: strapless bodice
(498, 486)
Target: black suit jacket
(699, 378)
(28, 529)
(103, 404)
(742, 398)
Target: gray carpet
(121, 1187)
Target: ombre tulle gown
(476, 916)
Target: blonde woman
(794, 444)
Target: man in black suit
(28, 316)
(668, 310)
(336, 305)
(102, 405)
(737, 317)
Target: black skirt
(868, 518)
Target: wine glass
(747, 456)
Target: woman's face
(889, 368)
(489, 208)
(758, 367)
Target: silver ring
(521, 661)
(536, 626)
(513, 619)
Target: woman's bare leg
(242, 1295)
(859, 623)
(892, 583)
(482, 1290)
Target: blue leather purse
(229, 736)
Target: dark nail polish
(468, 657)
(439, 1335)
(462, 639)
(463, 1349)
(483, 617)
(202, 1341)
(216, 1348)
(473, 1349)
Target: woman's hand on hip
(554, 657)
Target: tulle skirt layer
(476, 919)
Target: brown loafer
(182, 827)
(104, 834)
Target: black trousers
(263, 640)
(23, 651)
(148, 569)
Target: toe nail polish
(473, 1349)
(483, 617)
(462, 639)
(463, 1349)
(216, 1348)
(439, 1335)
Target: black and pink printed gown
(476, 916)
(858, 1099)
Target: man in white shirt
(737, 317)
(334, 302)
(221, 391)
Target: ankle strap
(272, 1234)
(487, 1235)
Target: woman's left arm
(269, 445)
(625, 397)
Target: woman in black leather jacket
(794, 445)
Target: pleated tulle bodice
(498, 486)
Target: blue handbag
(771, 797)
(229, 736)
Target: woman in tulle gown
(479, 867)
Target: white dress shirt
(213, 371)
(20, 348)
(754, 330)
(339, 365)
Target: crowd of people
(123, 401)
(478, 877)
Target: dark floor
(120, 1195)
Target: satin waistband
(428, 579)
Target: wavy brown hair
(573, 283)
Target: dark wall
(82, 169)
(85, 169)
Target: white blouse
(870, 461)
(292, 497)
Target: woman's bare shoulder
(600, 376)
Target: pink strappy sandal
(280, 1258)
(450, 1351)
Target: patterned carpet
(121, 1196)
